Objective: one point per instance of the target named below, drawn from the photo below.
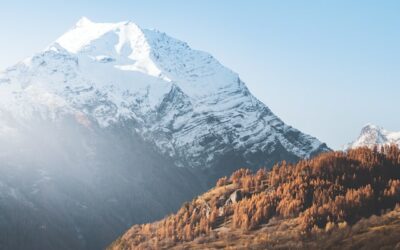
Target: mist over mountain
(113, 125)
(66, 187)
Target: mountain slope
(320, 203)
(63, 186)
(372, 135)
(113, 125)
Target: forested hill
(335, 200)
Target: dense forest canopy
(332, 190)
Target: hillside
(336, 200)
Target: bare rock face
(235, 197)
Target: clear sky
(325, 67)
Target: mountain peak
(86, 32)
(127, 47)
(370, 126)
(372, 135)
(83, 21)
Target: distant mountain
(337, 200)
(372, 135)
(113, 124)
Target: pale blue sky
(324, 67)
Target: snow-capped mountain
(184, 101)
(372, 135)
(113, 125)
